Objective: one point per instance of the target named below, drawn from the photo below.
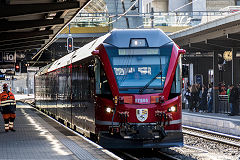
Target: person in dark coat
(203, 102)
(233, 100)
(194, 98)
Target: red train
(124, 89)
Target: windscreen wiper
(148, 84)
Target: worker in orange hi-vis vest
(8, 108)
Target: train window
(176, 85)
(97, 76)
(128, 69)
(102, 85)
(136, 67)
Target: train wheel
(94, 137)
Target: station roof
(221, 34)
(30, 24)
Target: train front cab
(139, 97)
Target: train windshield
(136, 69)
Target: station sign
(9, 56)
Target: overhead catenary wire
(184, 6)
(123, 13)
(42, 53)
(37, 59)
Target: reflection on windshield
(135, 67)
(135, 71)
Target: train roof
(121, 37)
(77, 55)
(118, 37)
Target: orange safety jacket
(7, 102)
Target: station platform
(40, 137)
(212, 121)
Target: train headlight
(140, 42)
(172, 109)
(108, 110)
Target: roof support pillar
(235, 66)
(215, 82)
(235, 74)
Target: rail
(212, 135)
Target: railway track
(212, 135)
(205, 149)
(141, 154)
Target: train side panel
(68, 95)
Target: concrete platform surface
(212, 121)
(39, 137)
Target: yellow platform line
(86, 30)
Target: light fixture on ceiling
(51, 15)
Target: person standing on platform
(228, 94)
(203, 102)
(195, 97)
(233, 100)
(210, 98)
(228, 91)
(8, 105)
(188, 97)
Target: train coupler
(114, 130)
(163, 117)
(126, 113)
(123, 117)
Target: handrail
(223, 97)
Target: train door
(69, 95)
(90, 105)
(102, 89)
(176, 88)
(62, 94)
(78, 107)
(51, 93)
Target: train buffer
(40, 137)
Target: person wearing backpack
(8, 108)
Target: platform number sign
(9, 56)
